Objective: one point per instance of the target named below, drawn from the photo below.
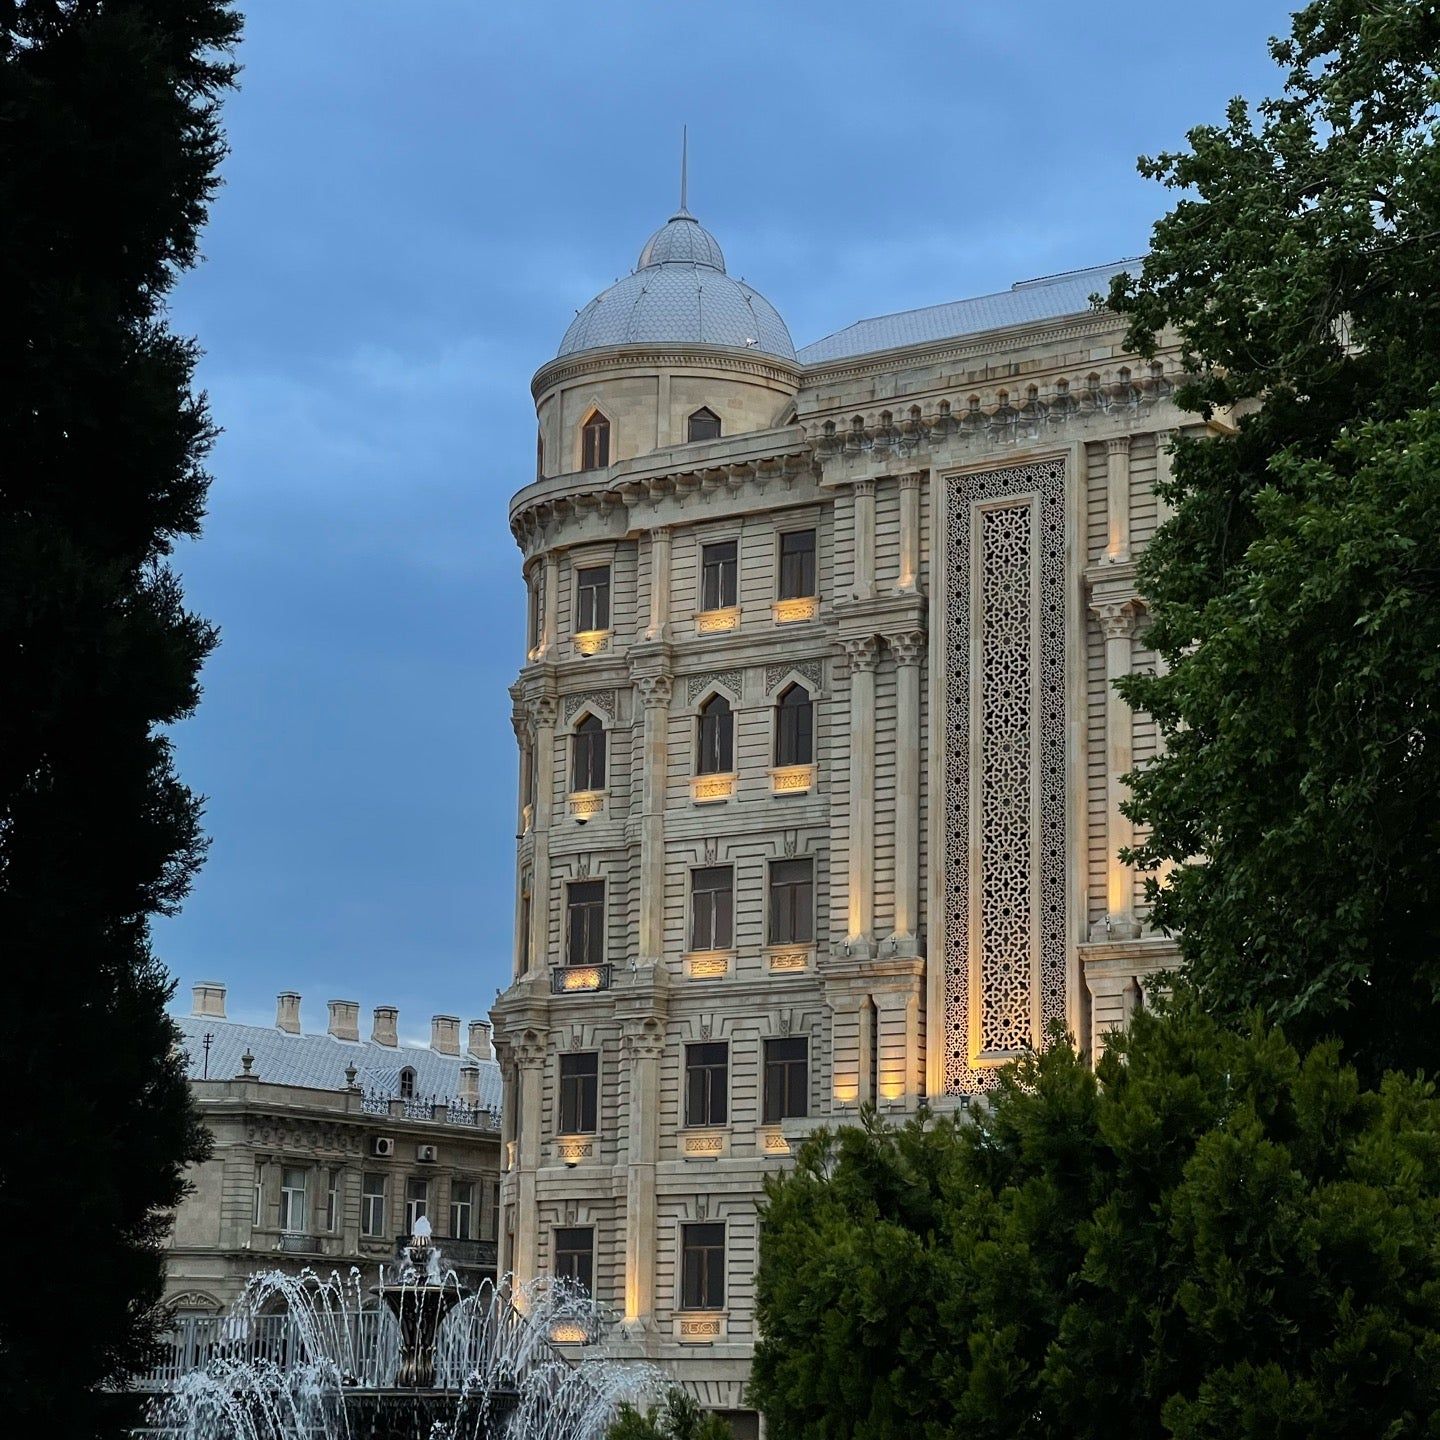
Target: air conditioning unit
(428, 1154)
(382, 1145)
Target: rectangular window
(787, 1079)
(707, 1077)
(417, 1201)
(292, 1199)
(702, 1267)
(259, 1194)
(712, 908)
(372, 1205)
(717, 575)
(332, 1202)
(536, 612)
(792, 902)
(522, 959)
(797, 564)
(492, 1229)
(592, 598)
(575, 1255)
(585, 922)
(579, 1093)
(462, 1209)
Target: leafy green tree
(1295, 593)
(1211, 1237)
(109, 142)
(678, 1417)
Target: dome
(680, 294)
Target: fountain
(301, 1358)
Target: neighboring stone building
(820, 763)
(327, 1147)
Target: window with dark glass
(407, 1084)
(462, 1209)
(702, 1267)
(522, 960)
(712, 908)
(539, 455)
(797, 564)
(792, 902)
(372, 1204)
(787, 1079)
(585, 922)
(535, 612)
(417, 1202)
(715, 749)
(595, 442)
(794, 727)
(575, 1254)
(579, 1092)
(704, 425)
(587, 755)
(707, 1076)
(592, 598)
(718, 575)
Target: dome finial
(684, 165)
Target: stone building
(327, 1147)
(820, 796)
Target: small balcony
(459, 1254)
(579, 979)
(296, 1242)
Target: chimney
(345, 1019)
(479, 1042)
(470, 1084)
(445, 1034)
(208, 999)
(387, 1023)
(287, 1012)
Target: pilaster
(862, 652)
(908, 647)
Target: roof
(679, 293)
(1023, 303)
(318, 1062)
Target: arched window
(539, 455)
(587, 755)
(595, 442)
(794, 727)
(704, 424)
(715, 749)
(407, 1084)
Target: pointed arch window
(587, 755)
(794, 727)
(704, 424)
(715, 741)
(595, 442)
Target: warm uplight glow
(586, 804)
(581, 977)
(792, 779)
(568, 1332)
(591, 642)
(788, 962)
(708, 964)
(706, 788)
(717, 622)
(790, 612)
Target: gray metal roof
(1023, 303)
(680, 294)
(319, 1061)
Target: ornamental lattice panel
(1004, 880)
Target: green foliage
(1295, 594)
(1214, 1237)
(109, 142)
(679, 1417)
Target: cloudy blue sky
(419, 197)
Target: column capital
(1117, 618)
(543, 710)
(1118, 445)
(863, 651)
(907, 646)
(913, 480)
(528, 1050)
(655, 690)
(865, 486)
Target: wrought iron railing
(441, 1109)
(579, 979)
(460, 1254)
(294, 1242)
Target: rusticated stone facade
(972, 486)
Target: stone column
(864, 539)
(645, 1042)
(908, 647)
(530, 1068)
(655, 693)
(863, 652)
(907, 581)
(1117, 622)
(659, 584)
(1117, 471)
(549, 618)
(543, 715)
(1163, 440)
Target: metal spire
(684, 165)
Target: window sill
(717, 622)
(699, 1327)
(796, 959)
(708, 964)
(705, 1143)
(706, 789)
(792, 779)
(586, 804)
(591, 642)
(770, 1140)
(795, 610)
(572, 1149)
